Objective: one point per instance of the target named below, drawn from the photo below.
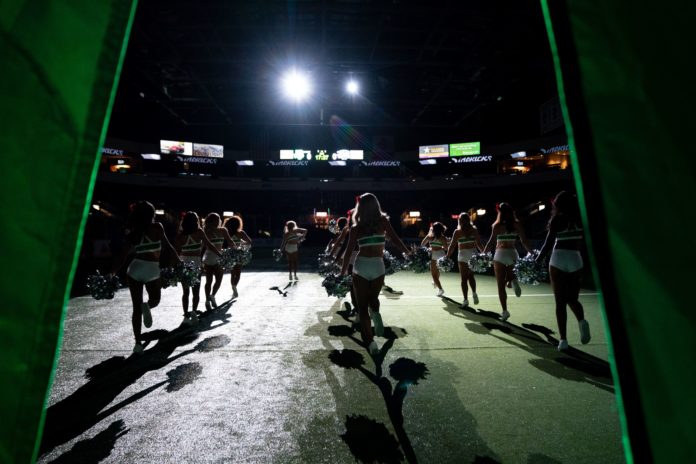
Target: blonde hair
(212, 221)
(367, 212)
(464, 223)
(290, 225)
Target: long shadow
(95, 449)
(590, 369)
(370, 441)
(84, 408)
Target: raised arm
(523, 238)
(427, 239)
(352, 240)
(208, 243)
(339, 242)
(389, 232)
(491, 241)
(477, 237)
(453, 243)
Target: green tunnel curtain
(629, 93)
(60, 62)
(628, 90)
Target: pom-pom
(102, 287)
(168, 277)
(445, 264)
(237, 256)
(189, 273)
(480, 262)
(528, 271)
(333, 226)
(392, 264)
(336, 285)
(277, 254)
(419, 260)
(327, 265)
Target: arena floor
(280, 376)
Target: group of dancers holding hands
(359, 246)
(360, 240)
(199, 244)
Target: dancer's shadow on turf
(406, 372)
(85, 407)
(590, 369)
(95, 449)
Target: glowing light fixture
(352, 87)
(227, 214)
(245, 163)
(414, 214)
(427, 161)
(542, 207)
(296, 85)
(321, 214)
(480, 211)
(97, 207)
(159, 212)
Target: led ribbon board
(433, 151)
(465, 149)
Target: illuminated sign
(288, 163)
(555, 149)
(322, 155)
(204, 150)
(465, 149)
(111, 151)
(297, 154)
(170, 147)
(197, 160)
(346, 155)
(472, 159)
(385, 164)
(433, 151)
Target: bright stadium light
(227, 214)
(352, 87)
(480, 211)
(542, 207)
(414, 214)
(159, 212)
(296, 85)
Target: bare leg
(185, 298)
(500, 277)
(573, 295)
(136, 291)
(464, 274)
(558, 284)
(218, 279)
(361, 286)
(196, 297)
(435, 272)
(208, 281)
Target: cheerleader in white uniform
(467, 242)
(438, 244)
(506, 231)
(292, 236)
(234, 226)
(190, 243)
(565, 266)
(211, 257)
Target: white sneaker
(147, 315)
(505, 316)
(441, 292)
(138, 348)
(475, 297)
(584, 332)
(377, 321)
(464, 304)
(563, 345)
(235, 294)
(516, 286)
(373, 348)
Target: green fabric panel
(60, 63)
(638, 88)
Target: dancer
(144, 239)
(467, 240)
(506, 230)
(438, 244)
(340, 225)
(339, 252)
(565, 266)
(190, 243)
(234, 226)
(292, 236)
(211, 260)
(369, 231)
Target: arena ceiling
(211, 69)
